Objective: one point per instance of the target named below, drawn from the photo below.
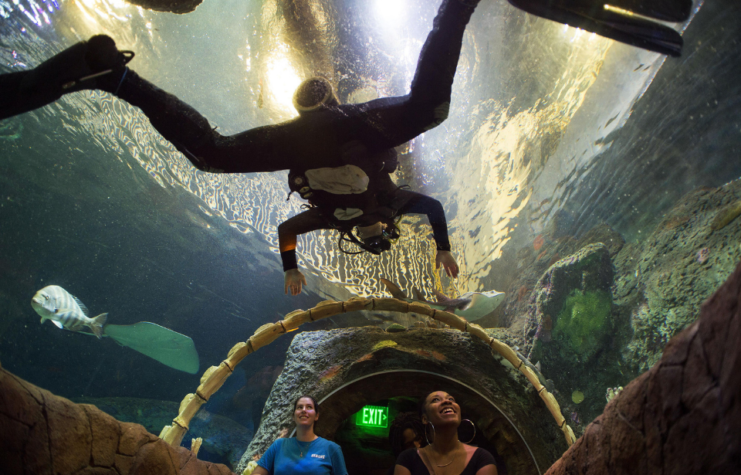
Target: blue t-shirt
(290, 456)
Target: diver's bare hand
(448, 262)
(294, 280)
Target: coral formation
(612, 393)
(661, 282)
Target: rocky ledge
(47, 434)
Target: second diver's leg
(73, 69)
(433, 81)
(261, 149)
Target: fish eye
(56, 310)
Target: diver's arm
(418, 203)
(288, 231)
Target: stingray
(471, 305)
(167, 346)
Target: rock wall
(223, 439)
(47, 434)
(663, 281)
(658, 288)
(684, 414)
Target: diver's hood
(314, 93)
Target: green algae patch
(395, 328)
(384, 344)
(584, 322)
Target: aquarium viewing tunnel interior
(367, 447)
(552, 238)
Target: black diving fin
(626, 21)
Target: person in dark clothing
(406, 432)
(339, 156)
(445, 454)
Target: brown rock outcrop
(684, 414)
(44, 434)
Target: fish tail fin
(97, 324)
(393, 289)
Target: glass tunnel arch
(369, 381)
(214, 377)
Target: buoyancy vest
(360, 190)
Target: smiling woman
(445, 454)
(307, 453)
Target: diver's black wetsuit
(332, 136)
(327, 137)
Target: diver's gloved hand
(294, 280)
(446, 259)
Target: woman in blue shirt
(305, 454)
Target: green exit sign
(373, 416)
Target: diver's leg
(261, 149)
(75, 68)
(433, 80)
(391, 121)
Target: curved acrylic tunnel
(349, 368)
(490, 421)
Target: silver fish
(66, 311)
(471, 305)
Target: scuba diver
(339, 156)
